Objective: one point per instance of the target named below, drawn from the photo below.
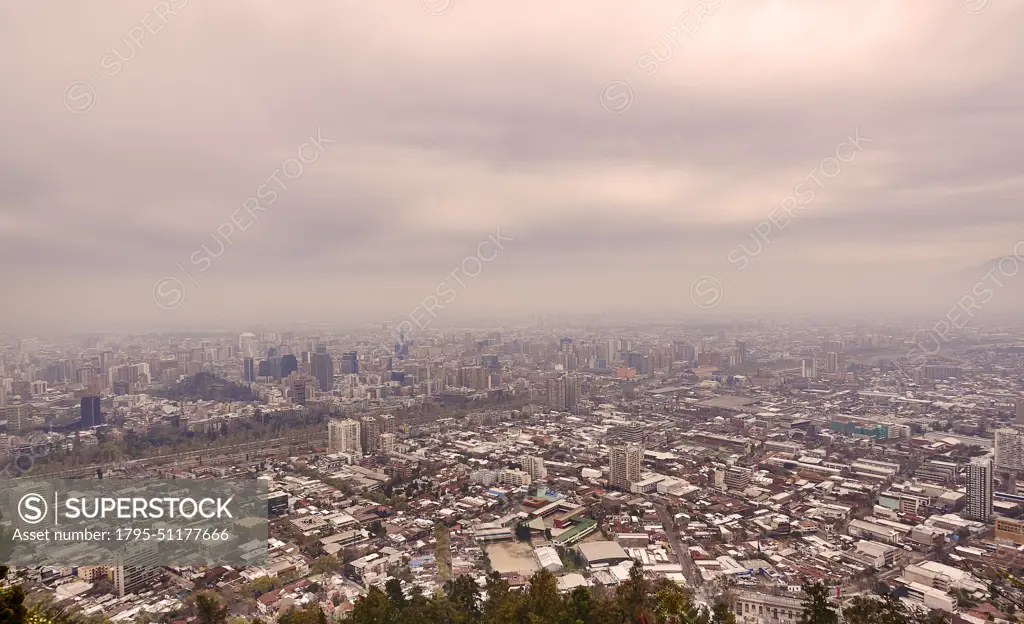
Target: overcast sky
(132, 130)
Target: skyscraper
(387, 443)
(248, 370)
(247, 344)
(369, 431)
(289, 365)
(350, 363)
(90, 411)
(979, 489)
(563, 392)
(809, 368)
(343, 436)
(135, 566)
(832, 362)
(322, 367)
(624, 466)
(387, 423)
(1018, 408)
(1009, 449)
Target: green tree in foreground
(637, 600)
(888, 610)
(12, 606)
(818, 609)
(311, 614)
(209, 610)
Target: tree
(326, 564)
(393, 589)
(673, 604)
(209, 610)
(311, 614)
(817, 607)
(6, 548)
(721, 613)
(637, 600)
(465, 596)
(374, 608)
(543, 601)
(632, 594)
(12, 605)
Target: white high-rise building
(135, 567)
(387, 443)
(624, 466)
(534, 466)
(1009, 449)
(17, 417)
(979, 489)
(809, 368)
(247, 343)
(343, 436)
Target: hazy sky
(627, 148)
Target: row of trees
(638, 600)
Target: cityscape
(743, 460)
(442, 312)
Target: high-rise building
(322, 367)
(1009, 449)
(131, 373)
(248, 370)
(18, 417)
(89, 408)
(343, 436)
(832, 362)
(387, 443)
(289, 365)
(3, 396)
(979, 490)
(633, 433)
(564, 392)
(303, 389)
(809, 368)
(350, 363)
(624, 466)
(106, 360)
(135, 566)
(833, 345)
(387, 423)
(247, 344)
(1018, 408)
(369, 431)
(741, 351)
(534, 466)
